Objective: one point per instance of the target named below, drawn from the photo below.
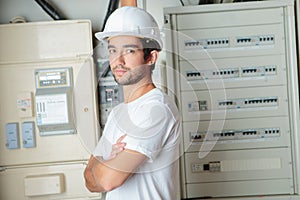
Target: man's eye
(111, 51)
(129, 51)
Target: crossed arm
(101, 175)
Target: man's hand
(118, 147)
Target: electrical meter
(54, 102)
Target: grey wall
(95, 10)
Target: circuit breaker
(233, 70)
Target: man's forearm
(106, 175)
(90, 180)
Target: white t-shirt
(152, 127)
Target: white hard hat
(132, 21)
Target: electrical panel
(49, 109)
(233, 71)
(110, 93)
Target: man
(137, 155)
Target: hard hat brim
(105, 36)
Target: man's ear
(152, 58)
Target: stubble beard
(131, 77)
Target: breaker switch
(214, 166)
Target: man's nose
(119, 59)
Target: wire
(181, 2)
(113, 5)
(49, 10)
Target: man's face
(126, 59)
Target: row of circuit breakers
(234, 86)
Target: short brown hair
(148, 46)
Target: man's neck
(133, 92)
